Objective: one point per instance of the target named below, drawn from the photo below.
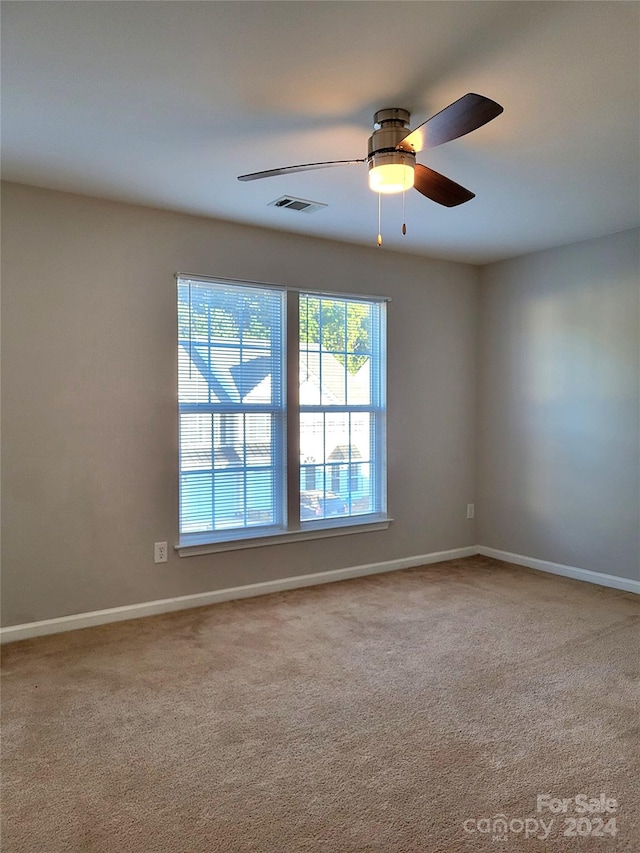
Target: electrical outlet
(471, 510)
(160, 552)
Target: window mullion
(293, 411)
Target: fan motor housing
(391, 114)
(391, 125)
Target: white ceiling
(165, 103)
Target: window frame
(295, 529)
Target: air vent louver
(302, 205)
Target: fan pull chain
(404, 223)
(379, 240)
(404, 194)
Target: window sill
(194, 544)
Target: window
(238, 416)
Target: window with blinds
(237, 480)
(232, 406)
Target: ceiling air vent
(303, 205)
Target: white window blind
(232, 406)
(232, 390)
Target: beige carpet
(390, 714)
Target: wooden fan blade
(464, 115)
(438, 188)
(289, 170)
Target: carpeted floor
(391, 713)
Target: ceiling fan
(393, 147)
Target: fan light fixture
(391, 169)
(390, 173)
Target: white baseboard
(152, 608)
(600, 578)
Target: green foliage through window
(341, 327)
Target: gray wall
(89, 399)
(559, 441)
